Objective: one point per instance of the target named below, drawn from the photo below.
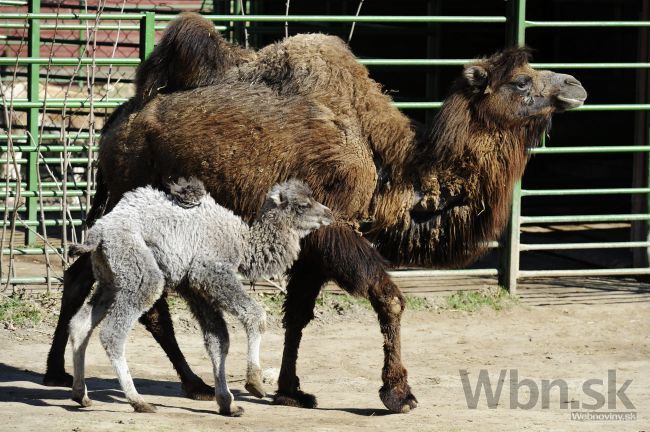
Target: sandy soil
(340, 362)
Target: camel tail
(191, 54)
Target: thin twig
(286, 23)
(48, 265)
(354, 23)
(243, 12)
(8, 115)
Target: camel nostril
(572, 81)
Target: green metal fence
(77, 149)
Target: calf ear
(477, 78)
(278, 197)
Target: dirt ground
(340, 362)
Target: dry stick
(286, 23)
(91, 121)
(64, 135)
(114, 51)
(354, 23)
(9, 114)
(243, 12)
(48, 265)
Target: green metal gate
(28, 198)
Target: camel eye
(303, 205)
(522, 84)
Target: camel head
(294, 202)
(505, 90)
(463, 172)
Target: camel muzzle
(570, 93)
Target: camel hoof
(144, 407)
(398, 399)
(61, 379)
(82, 400)
(234, 411)
(296, 399)
(256, 389)
(198, 390)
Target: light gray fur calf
(186, 242)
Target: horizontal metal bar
(268, 18)
(417, 105)
(48, 222)
(77, 103)
(351, 18)
(585, 218)
(73, 135)
(47, 148)
(48, 184)
(73, 61)
(589, 149)
(47, 160)
(414, 62)
(559, 192)
(68, 61)
(101, 27)
(613, 107)
(590, 65)
(434, 273)
(31, 280)
(45, 193)
(31, 251)
(574, 246)
(586, 272)
(533, 24)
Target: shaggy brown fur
(305, 108)
(200, 57)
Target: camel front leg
(359, 269)
(388, 302)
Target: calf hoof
(60, 379)
(82, 400)
(398, 399)
(198, 390)
(255, 388)
(143, 407)
(233, 411)
(298, 399)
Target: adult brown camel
(305, 108)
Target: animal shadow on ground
(101, 390)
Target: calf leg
(159, 322)
(137, 282)
(222, 287)
(81, 327)
(217, 342)
(77, 281)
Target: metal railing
(147, 23)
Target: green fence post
(147, 34)
(31, 174)
(515, 35)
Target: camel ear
(477, 78)
(278, 198)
